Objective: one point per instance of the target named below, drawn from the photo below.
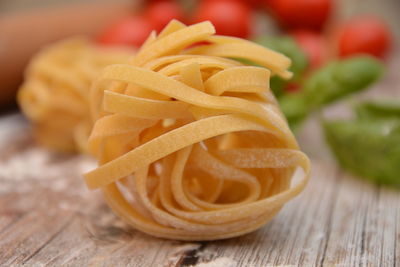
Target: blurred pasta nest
(190, 141)
(55, 94)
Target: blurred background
(344, 53)
(343, 104)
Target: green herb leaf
(295, 109)
(287, 46)
(382, 109)
(340, 79)
(369, 148)
(331, 83)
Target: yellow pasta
(55, 93)
(191, 143)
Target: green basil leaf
(287, 46)
(367, 148)
(340, 79)
(295, 109)
(378, 109)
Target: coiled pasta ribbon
(55, 94)
(191, 143)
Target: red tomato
(253, 3)
(132, 31)
(230, 17)
(364, 35)
(313, 45)
(159, 13)
(292, 87)
(309, 14)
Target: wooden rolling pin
(25, 30)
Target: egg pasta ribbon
(191, 143)
(55, 93)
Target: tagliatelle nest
(55, 94)
(191, 143)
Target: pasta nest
(55, 94)
(191, 143)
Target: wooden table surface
(49, 218)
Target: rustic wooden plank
(363, 228)
(48, 217)
(346, 244)
(337, 220)
(380, 229)
(106, 244)
(6, 220)
(28, 235)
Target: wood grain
(48, 218)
